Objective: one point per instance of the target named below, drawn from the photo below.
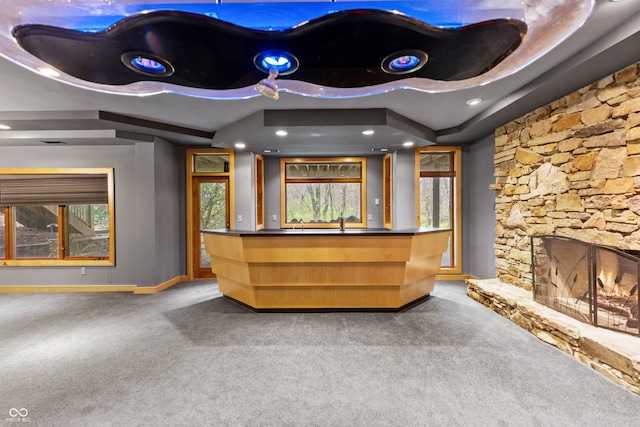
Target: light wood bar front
(326, 269)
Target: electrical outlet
(83, 271)
(377, 202)
(370, 217)
(239, 218)
(274, 218)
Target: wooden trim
(457, 224)
(55, 262)
(416, 184)
(456, 243)
(189, 221)
(232, 190)
(451, 174)
(81, 288)
(62, 231)
(161, 287)
(189, 202)
(445, 277)
(94, 288)
(53, 171)
(387, 191)
(8, 247)
(283, 194)
(258, 167)
(112, 216)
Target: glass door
(439, 198)
(210, 211)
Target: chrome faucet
(301, 225)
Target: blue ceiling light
(403, 62)
(284, 63)
(147, 64)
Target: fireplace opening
(591, 283)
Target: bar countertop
(326, 232)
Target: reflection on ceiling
(349, 49)
(330, 49)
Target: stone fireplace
(571, 170)
(591, 283)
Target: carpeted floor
(188, 357)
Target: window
(318, 192)
(210, 163)
(439, 197)
(56, 217)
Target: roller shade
(54, 189)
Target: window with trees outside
(318, 192)
(56, 217)
(439, 197)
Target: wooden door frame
(191, 174)
(456, 199)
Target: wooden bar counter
(326, 269)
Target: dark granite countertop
(326, 232)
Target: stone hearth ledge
(613, 354)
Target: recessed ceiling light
(474, 101)
(283, 62)
(282, 133)
(147, 64)
(240, 145)
(368, 132)
(48, 72)
(408, 144)
(403, 62)
(5, 127)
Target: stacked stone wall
(570, 168)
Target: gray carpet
(188, 357)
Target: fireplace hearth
(591, 283)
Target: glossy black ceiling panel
(342, 50)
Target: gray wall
(245, 191)
(149, 223)
(374, 191)
(170, 209)
(478, 209)
(271, 192)
(404, 189)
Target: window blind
(53, 189)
